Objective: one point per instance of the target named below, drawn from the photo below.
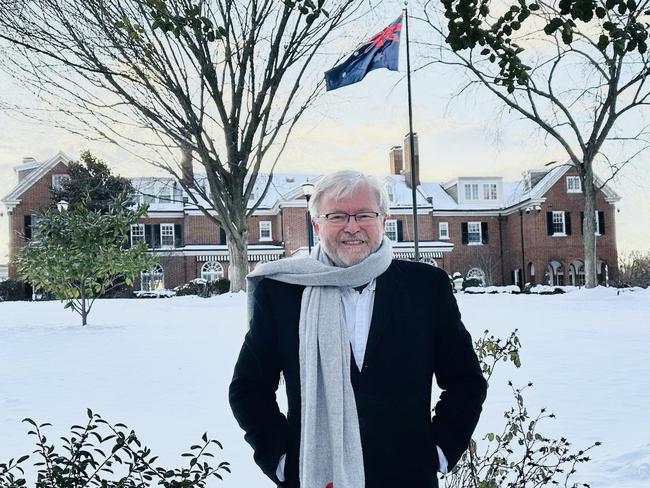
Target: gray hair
(344, 183)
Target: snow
(163, 368)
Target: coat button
(362, 423)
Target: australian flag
(380, 51)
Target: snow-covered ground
(163, 368)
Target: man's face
(350, 243)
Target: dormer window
(489, 191)
(471, 191)
(391, 193)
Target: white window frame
(157, 274)
(57, 180)
(390, 229)
(140, 235)
(212, 271)
(597, 224)
(390, 191)
(166, 191)
(266, 226)
(471, 191)
(476, 225)
(573, 184)
(443, 231)
(559, 217)
(489, 191)
(164, 232)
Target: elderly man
(358, 337)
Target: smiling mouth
(353, 242)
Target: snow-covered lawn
(163, 368)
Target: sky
(355, 127)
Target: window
(476, 274)
(137, 233)
(166, 235)
(443, 230)
(474, 233)
(390, 229)
(471, 191)
(573, 184)
(59, 180)
(559, 225)
(490, 191)
(212, 271)
(153, 279)
(165, 194)
(391, 192)
(265, 230)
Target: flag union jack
(380, 51)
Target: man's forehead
(361, 198)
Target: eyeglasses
(340, 218)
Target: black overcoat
(415, 333)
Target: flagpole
(414, 168)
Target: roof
(287, 187)
(13, 198)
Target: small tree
(92, 183)
(80, 254)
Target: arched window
(577, 273)
(212, 271)
(555, 273)
(154, 279)
(430, 261)
(477, 274)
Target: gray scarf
(330, 442)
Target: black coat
(415, 332)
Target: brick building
(482, 227)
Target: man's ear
(315, 226)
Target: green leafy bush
(108, 456)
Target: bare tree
(222, 82)
(575, 69)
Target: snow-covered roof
(38, 169)
(286, 188)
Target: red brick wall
(199, 229)
(294, 226)
(35, 199)
(254, 229)
(465, 257)
(540, 248)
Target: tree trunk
(238, 249)
(589, 227)
(83, 311)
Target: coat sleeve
(458, 374)
(254, 385)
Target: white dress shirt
(356, 314)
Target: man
(358, 337)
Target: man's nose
(352, 225)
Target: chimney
(408, 167)
(395, 157)
(187, 171)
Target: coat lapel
(382, 312)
